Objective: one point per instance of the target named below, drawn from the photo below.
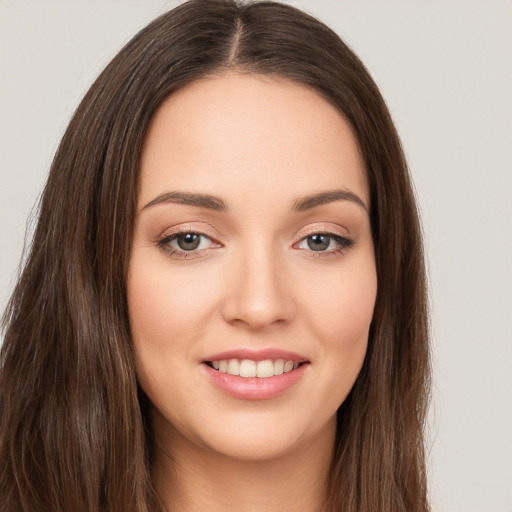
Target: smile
(249, 368)
(250, 374)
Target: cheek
(351, 311)
(339, 318)
(168, 313)
(165, 305)
(339, 308)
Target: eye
(188, 241)
(325, 242)
(186, 244)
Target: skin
(260, 144)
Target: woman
(224, 304)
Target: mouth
(249, 368)
(250, 374)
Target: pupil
(188, 241)
(318, 242)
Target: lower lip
(255, 388)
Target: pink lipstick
(255, 374)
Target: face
(252, 277)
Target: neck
(189, 478)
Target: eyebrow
(193, 199)
(329, 196)
(216, 203)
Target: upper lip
(257, 355)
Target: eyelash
(343, 242)
(165, 242)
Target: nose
(257, 294)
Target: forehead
(234, 133)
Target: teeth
(264, 369)
(249, 368)
(278, 367)
(233, 367)
(288, 366)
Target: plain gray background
(445, 70)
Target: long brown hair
(74, 429)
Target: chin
(254, 446)
(255, 437)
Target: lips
(255, 375)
